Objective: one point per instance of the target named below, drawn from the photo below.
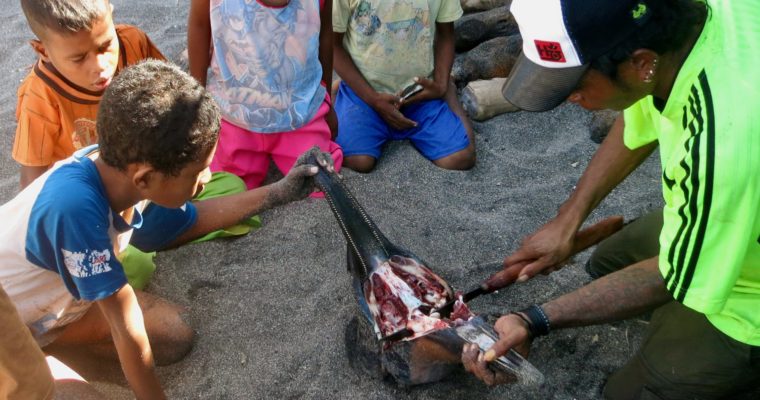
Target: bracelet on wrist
(522, 317)
(535, 317)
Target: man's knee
(683, 356)
(599, 264)
(629, 383)
(637, 241)
(641, 393)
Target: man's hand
(430, 90)
(547, 250)
(298, 183)
(544, 251)
(387, 106)
(513, 333)
(475, 364)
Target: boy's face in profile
(87, 59)
(173, 191)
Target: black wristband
(538, 322)
(522, 317)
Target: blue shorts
(361, 130)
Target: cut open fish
(396, 290)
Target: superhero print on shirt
(264, 56)
(394, 29)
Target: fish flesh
(396, 291)
(400, 295)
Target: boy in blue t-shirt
(61, 236)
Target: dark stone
(491, 59)
(481, 5)
(473, 29)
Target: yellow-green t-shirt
(391, 41)
(709, 139)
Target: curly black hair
(666, 30)
(63, 16)
(155, 113)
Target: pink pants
(246, 153)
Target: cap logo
(639, 12)
(550, 51)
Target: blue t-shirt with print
(72, 229)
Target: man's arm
(199, 39)
(550, 246)
(611, 164)
(619, 295)
(444, 54)
(28, 174)
(125, 318)
(349, 73)
(386, 104)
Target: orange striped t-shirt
(56, 117)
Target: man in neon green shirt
(685, 73)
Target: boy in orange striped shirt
(80, 50)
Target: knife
(584, 239)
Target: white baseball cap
(560, 39)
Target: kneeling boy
(60, 236)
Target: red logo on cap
(550, 51)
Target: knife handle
(584, 239)
(503, 278)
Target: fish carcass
(396, 292)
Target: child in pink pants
(268, 64)
(246, 153)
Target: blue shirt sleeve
(68, 233)
(161, 226)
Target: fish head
(436, 354)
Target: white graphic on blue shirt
(97, 262)
(74, 262)
(72, 230)
(61, 238)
